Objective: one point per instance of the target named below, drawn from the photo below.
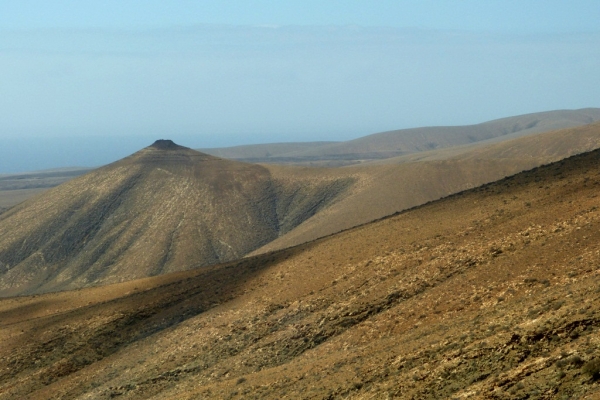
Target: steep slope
(395, 184)
(408, 141)
(163, 209)
(489, 294)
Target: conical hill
(162, 209)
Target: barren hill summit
(167, 151)
(166, 144)
(161, 209)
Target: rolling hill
(491, 293)
(162, 209)
(264, 152)
(407, 141)
(16, 188)
(410, 143)
(170, 208)
(387, 186)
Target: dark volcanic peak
(166, 144)
(166, 151)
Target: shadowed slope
(165, 208)
(489, 294)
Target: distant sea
(35, 153)
(39, 153)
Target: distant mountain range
(407, 141)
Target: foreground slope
(165, 208)
(491, 293)
(407, 141)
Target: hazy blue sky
(87, 82)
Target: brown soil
(488, 294)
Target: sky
(85, 83)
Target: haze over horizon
(85, 84)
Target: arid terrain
(171, 209)
(165, 208)
(15, 188)
(299, 200)
(491, 293)
(437, 273)
(407, 141)
(399, 183)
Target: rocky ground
(492, 293)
